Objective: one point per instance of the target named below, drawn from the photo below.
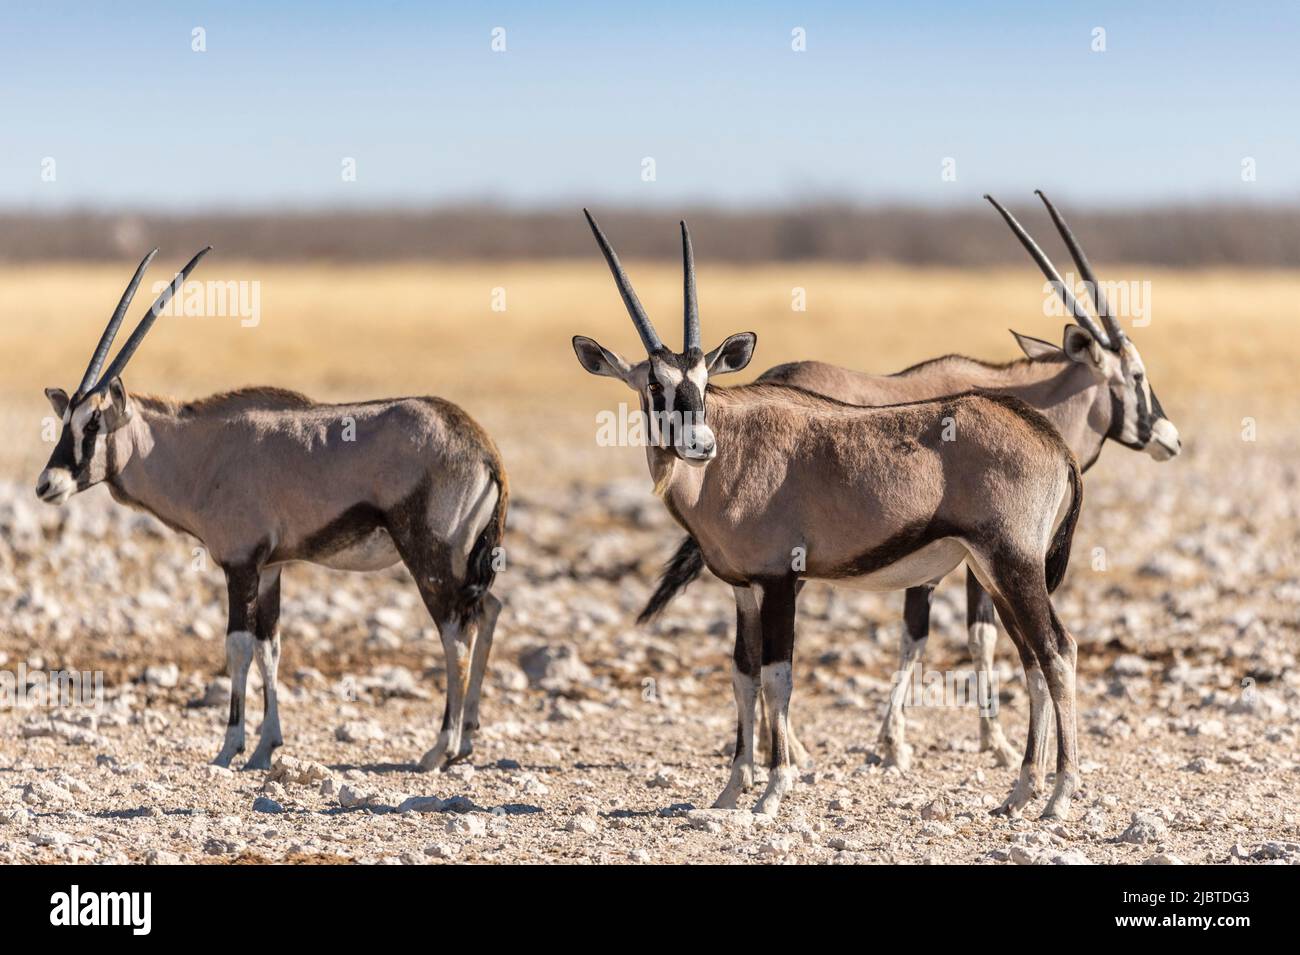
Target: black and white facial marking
(672, 387)
(1137, 420)
(89, 449)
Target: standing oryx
(263, 477)
(778, 485)
(1092, 388)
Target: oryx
(263, 477)
(779, 485)
(1093, 388)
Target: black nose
(42, 488)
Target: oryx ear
(120, 411)
(58, 400)
(599, 360)
(1080, 346)
(732, 355)
(1035, 348)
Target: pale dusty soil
(602, 751)
(1201, 591)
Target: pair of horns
(691, 308)
(92, 380)
(1113, 337)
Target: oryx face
(672, 386)
(672, 389)
(1137, 420)
(91, 446)
(94, 445)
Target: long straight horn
(114, 323)
(1113, 328)
(691, 307)
(146, 323)
(1080, 314)
(649, 337)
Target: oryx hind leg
(482, 650)
(916, 633)
(994, 576)
(267, 654)
(241, 640)
(982, 636)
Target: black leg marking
(979, 605)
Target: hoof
(225, 756)
(1006, 757)
(899, 757)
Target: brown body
(779, 486)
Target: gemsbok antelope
(874, 498)
(263, 477)
(1093, 388)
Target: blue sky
(413, 92)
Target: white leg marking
(894, 731)
(1067, 778)
(742, 766)
(456, 650)
(239, 654)
(482, 649)
(778, 682)
(982, 640)
(267, 654)
(1040, 721)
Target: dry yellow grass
(1223, 340)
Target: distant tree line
(1180, 236)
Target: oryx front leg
(982, 638)
(745, 681)
(456, 649)
(267, 654)
(777, 618)
(916, 632)
(239, 655)
(241, 588)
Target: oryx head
(671, 385)
(92, 445)
(1137, 420)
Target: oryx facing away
(874, 498)
(263, 477)
(1092, 388)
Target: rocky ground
(605, 742)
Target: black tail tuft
(480, 566)
(681, 569)
(1058, 556)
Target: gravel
(606, 742)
